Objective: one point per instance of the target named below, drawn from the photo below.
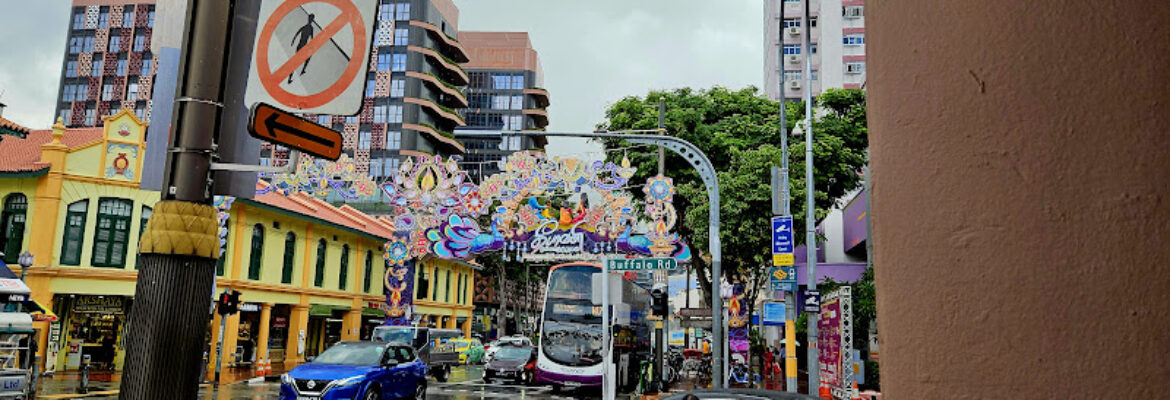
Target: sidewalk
(104, 384)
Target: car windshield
(513, 353)
(395, 335)
(352, 353)
(461, 343)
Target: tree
(738, 131)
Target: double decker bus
(570, 347)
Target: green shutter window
(12, 221)
(257, 255)
(435, 290)
(113, 232)
(219, 263)
(74, 237)
(146, 213)
(447, 288)
(369, 271)
(344, 276)
(319, 280)
(290, 251)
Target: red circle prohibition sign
(271, 79)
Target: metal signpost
(782, 279)
(782, 241)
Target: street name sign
(312, 56)
(782, 248)
(783, 279)
(274, 125)
(812, 301)
(641, 264)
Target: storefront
(278, 333)
(93, 326)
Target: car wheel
(442, 374)
(420, 390)
(372, 394)
(525, 378)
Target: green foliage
(739, 132)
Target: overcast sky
(593, 52)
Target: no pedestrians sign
(311, 56)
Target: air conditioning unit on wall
(793, 59)
(794, 31)
(794, 85)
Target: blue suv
(358, 370)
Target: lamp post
(25, 260)
(726, 291)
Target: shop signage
(280, 322)
(249, 307)
(99, 304)
(774, 313)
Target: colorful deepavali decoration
(223, 206)
(399, 288)
(321, 178)
(737, 332)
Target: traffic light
(229, 302)
(659, 303)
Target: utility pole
(661, 131)
(785, 209)
(179, 247)
(810, 217)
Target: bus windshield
(572, 324)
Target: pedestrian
(768, 363)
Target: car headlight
(287, 380)
(353, 380)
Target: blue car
(358, 370)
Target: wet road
(465, 383)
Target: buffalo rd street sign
(783, 279)
(273, 125)
(312, 56)
(782, 246)
(812, 301)
(641, 264)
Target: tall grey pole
(661, 130)
(164, 334)
(810, 220)
(786, 210)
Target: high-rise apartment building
(412, 91)
(837, 46)
(505, 94)
(108, 63)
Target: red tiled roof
(8, 124)
(24, 155)
(316, 208)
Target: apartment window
(107, 91)
(854, 67)
(132, 91)
(517, 81)
(343, 277)
(478, 80)
(853, 40)
(122, 64)
(812, 48)
(791, 23)
(71, 69)
(90, 116)
(501, 102)
(324, 120)
(514, 122)
(64, 115)
(790, 76)
(353, 119)
(812, 22)
(113, 232)
(383, 62)
(371, 84)
(380, 112)
(79, 19)
(376, 168)
(12, 220)
(393, 140)
(290, 251)
(256, 256)
(364, 139)
(403, 13)
(791, 49)
(395, 115)
(852, 11)
(97, 66)
(87, 44)
(76, 44)
(401, 37)
(68, 92)
(74, 237)
(501, 81)
(139, 42)
(385, 12)
(319, 278)
(369, 271)
(398, 62)
(128, 17)
(82, 91)
(150, 18)
(115, 42)
(104, 18)
(140, 111)
(392, 166)
(397, 88)
(147, 62)
(517, 102)
(791, 1)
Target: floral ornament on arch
(320, 178)
(397, 251)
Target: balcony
(450, 45)
(443, 138)
(438, 110)
(453, 70)
(540, 95)
(460, 100)
(539, 115)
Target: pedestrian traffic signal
(229, 302)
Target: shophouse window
(290, 251)
(319, 280)
(423, 284)
(369, 271)
(12, 221)
(435, 292)
(146, 213)
(113, 232)
(459, 290)
(447, 288)
(256, 257)
(344, 275)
